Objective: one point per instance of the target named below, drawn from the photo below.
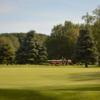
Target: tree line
(78, 42)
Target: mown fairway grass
(30, 82)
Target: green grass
(35, 82)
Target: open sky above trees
(41, 15)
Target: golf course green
(39, 82)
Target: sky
(41, 15)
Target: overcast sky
(41, 15)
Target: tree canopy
(85, 48)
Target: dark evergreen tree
(42, 53)
(96, 34)
(29, 51)
(26, 54)
(85, 48)
(96, 30)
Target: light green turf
(35, 82)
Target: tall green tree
(85, 48)
(96, 30)
(30, 51)
(56, 43)
(26, 54)
(96, 34)
(62, 40)
(42, 53)
(6, 52)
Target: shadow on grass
(18, 94)
(81, 89)
(85, 76)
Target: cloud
(6, 8)
(49, 14)
(39, 15)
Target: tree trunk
(86, 65)
(99, 63)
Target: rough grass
(35, 82)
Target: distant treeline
(78, 42)
(10, 43)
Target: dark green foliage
(20, 37)
(6, 52)
(57, 47)
(26, 54)
(85, 48)
(40, 38)
(96, 35)
(42, 53)
(96, 30)
(30, 52)
(62, 41)
(17, 39)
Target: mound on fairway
(30, 82)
